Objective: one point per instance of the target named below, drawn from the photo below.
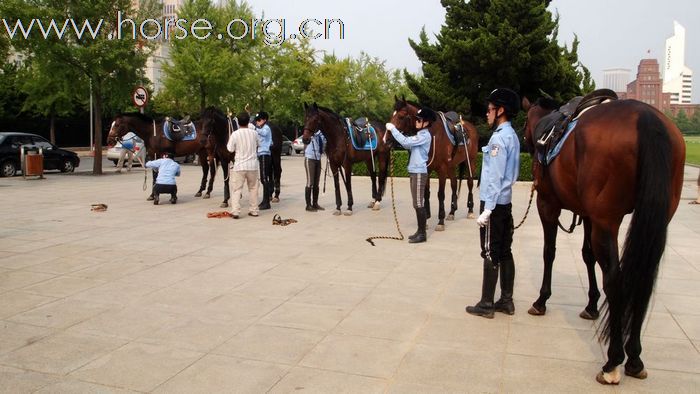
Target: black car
(55, 158)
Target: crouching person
(168, 169)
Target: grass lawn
(692, 152)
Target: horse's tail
(633, 281)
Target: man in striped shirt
(244, 142)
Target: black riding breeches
(497, 236)
(313, 172)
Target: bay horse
(623, 157)
(217, 128)
(342, 154)
(444, 157)
(151, 132)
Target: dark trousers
(276, 172)
(159, 188)
(266, 177)
(419, 188)
(497, 236)
(313, 172)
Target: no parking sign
(140, 96)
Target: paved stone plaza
(145, 298)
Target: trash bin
(33, 161)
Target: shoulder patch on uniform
(414, 138)
(495, 148)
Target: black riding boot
(485, 307)
(420, 235)
(265, 204)
(315, 200)
(418, 219)
(505, 303)
(307, 196)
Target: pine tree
(485, 44)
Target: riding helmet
(507, 99)
(426, 113)
(262, 115)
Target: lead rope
(529, 204)
(393, 206)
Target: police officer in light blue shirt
(419, 145)
(499, 171)
(168, 169)
(265, 158)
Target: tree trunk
(97, 99)
(52, 124)
(202, 98)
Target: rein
(393, 206)
(527, 211)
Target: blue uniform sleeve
(498, 158)
(177, 173)
(409, 142)
(153, 164)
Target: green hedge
(401, 162)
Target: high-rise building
(161, 54)
(648, 86)
(678, 78)
(616, 79)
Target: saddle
(362, 134)
(551, 129)
(179, 130)
(455, 130)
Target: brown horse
(444, 157)
(151, 132)
(342, 154)
(217, 128)
(622, 157)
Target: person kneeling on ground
(168, 169)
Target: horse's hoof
(450, 217)
(639, 375)
(199, 194)
(206, 196)
(440, 227)
(589, 316)
(534, 311)
(347, 213)
(371, 205)
(275, 199)
(223, 205)
(376, 206)
(606, 378)
(150, 198)
(470, 215)
(336, 212)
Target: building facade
(616, 79)
(648, 87)
(678, 78)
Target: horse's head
(404, 117)
(312, 121)
(120, 126)
(535, 111)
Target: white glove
(390, 126)
(483, 219)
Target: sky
(613, 33)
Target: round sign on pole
(140, 96)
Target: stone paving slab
(145, 298)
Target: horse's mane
(330, 111)
(212, 111)
(547, 103)
(138, 115)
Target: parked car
(55, 158)
(286, 146)
(298, 145)
(114, 151)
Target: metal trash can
(32, 161)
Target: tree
(50, 90)
(206, 72)
(486, 44)
(94, 53)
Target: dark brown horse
(342, 154)
(622, 157)
(217, 128)
(151, 132)
(444, 157)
